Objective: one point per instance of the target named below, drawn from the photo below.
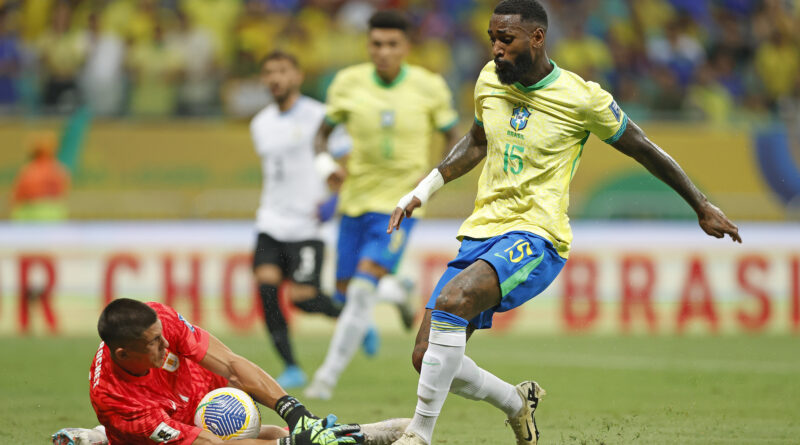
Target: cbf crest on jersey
(519, 117)
(387, 118)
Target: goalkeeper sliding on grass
(153, 368)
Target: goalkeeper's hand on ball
(326, 432)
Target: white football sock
(390, 290)
(474, 383)
(439, 365)
(351, 327)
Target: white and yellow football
(228, 413)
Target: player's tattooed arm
(451, 138)
(635, 144)
(465, 155)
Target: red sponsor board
(610, 284)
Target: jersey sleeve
(253, 136)
(336, 108)
(444, 115)
(478, 95)
(604, 117)
(184, 338)
(153, 425)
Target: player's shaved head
(530, 11)
(124, 320)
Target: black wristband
(291, 410)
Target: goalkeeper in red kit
(153, 368)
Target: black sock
(322, 304)
(276, 323)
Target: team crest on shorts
(519, 118)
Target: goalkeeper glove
(326, 432)
(296, 415)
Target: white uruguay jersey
(292, 189)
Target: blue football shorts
(525, 265)
(365, 236)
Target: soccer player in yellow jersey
(532, 119)
(391, 111)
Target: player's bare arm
(321, 138)
(324, 163)
(451, 138)
(465, 155)
(242, 373)
(247, 376)
(635, 144)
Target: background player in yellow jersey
(391, 111)
(531, 122)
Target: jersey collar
(400, 76)
(546, 81)
(293, 107)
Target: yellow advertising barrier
(190, 169)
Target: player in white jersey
(288, 245)
(289, 215)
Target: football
(228, 413)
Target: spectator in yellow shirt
(777, 63)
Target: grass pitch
(601, 389)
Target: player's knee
(454, 300)
(416, 356)
(302, 292)
(372, 268)
(268, 274)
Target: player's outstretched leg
(399, 291)
(321, 304)
(470, 292)
(293, 376)
(350, 330)
(517, 402)
(372, 339)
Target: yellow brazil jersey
(535, 139)
(391, 126)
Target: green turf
(601, 390)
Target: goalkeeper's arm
(247, 376)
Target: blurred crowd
(714, 60)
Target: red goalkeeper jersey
(158, 407)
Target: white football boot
(406, 306)
(409, 438)
(318, 390)
(524, 424)
(80, 436)
(385, 432)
